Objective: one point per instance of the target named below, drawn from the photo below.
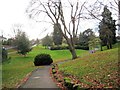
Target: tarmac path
(40, 78)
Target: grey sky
(13, 12)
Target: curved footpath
(40, 78)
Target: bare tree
(119, 17)
(54, 9)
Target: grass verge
(95, 70)
(15, 69)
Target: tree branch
(91, 14)
(79, 16)
(46, 11)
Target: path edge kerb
(24, 80)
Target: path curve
(40, 78)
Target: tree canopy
(85, 37)
(107, 29)
(22, 43)
(47, 41)
(57, 35)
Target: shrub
(59, 47)
(68, 83)
(82, 47)
(42, 59)
(66, 47)
(24, 51)
(4, 54)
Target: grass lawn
(18, 66)
(15, 69)
(98, 68)
(57, 55)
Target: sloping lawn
(100, 68)
(57, 55)
(15, 69)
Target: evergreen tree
(22, 42)
(47, 41)
(85, 37)
(107, 29)
(57, 35)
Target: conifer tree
(107, 29)
(57, 35)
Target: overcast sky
(12, 12)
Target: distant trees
(57, 35)
(47, 41)
(37, 41)
(85, 37)
(94, 42)
(22, 43)
(107, 29)
(10, 41)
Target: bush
(66, 47)
(42, 59)
(59, 47)
(82, 47)
(68, 83)
(24, 51)
(4, 54)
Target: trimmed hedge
(66, 47)
(82, 47)
(59, 47)
(42, 59)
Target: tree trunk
(101, 47)
(72, 49)
(107, 46)
(110, 46)
(73, 52)
(70, 43)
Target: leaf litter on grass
(98, 70)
